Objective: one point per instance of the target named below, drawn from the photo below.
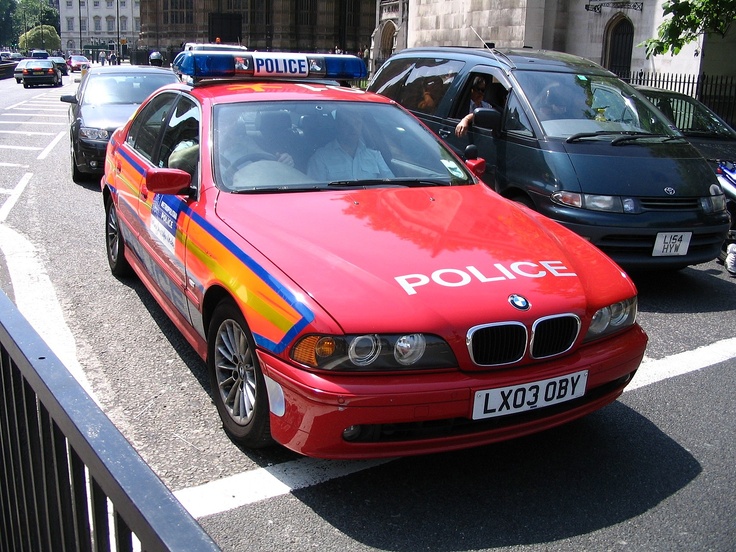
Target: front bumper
(411, 414)
(90, 156)
(629, 239)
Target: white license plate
(503, 401)
(670, 244)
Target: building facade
(276, 25)
(607, 32)
(88, 26)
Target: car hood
(715, 148)
(640, 170)
(388, 259)
(108, 116)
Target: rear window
(38, 54)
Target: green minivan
(567, 138)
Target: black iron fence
(68, 478)
(716, 91)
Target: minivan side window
(418, 84)
(481, 87)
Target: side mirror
(69, 98)
(168, 181)
(487, 117)
(476, 164)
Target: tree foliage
(686, 20)
(43, 37)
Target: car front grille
(508, 342)
(670, 203)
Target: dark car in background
(60, 62)
(711, 135)
(105, 99)
(567, 138)
(41, 71)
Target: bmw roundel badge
(519, 302)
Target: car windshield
(105, 89)
(80, 58)
(690, 116)
(590, 106)
(291, 146)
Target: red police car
(353, 288)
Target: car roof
(526, 59)
(661, 91)
(127, 70)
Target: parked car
(106, 97)
(18, 70)
(60, 62)
(76, 63)
(569, 139)
(41, 71)
(353, 288)
(705, 130)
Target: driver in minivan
(477, 93)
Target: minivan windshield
(590, 106)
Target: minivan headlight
(716, 202)
(594, 202)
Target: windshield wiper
(583, 135)
(641, 135)
(408, 182)
(276, 189)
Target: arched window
(619, 45)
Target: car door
(168, 122)
(495, 90)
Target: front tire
(114, 243)
(237, 381)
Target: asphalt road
(655, 471)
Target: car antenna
(491, 47)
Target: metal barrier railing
(69, 480)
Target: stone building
(607, 32)
(604, 31)
(277, 25)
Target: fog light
(351, 433)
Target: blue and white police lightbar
(199, 65)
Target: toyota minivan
(567, 138)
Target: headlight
(716, 202)
(612, 318)
(374, 352)
(594, 202)
(94, 133)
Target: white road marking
(256, 485)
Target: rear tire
(114, 244)
(238, 386)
